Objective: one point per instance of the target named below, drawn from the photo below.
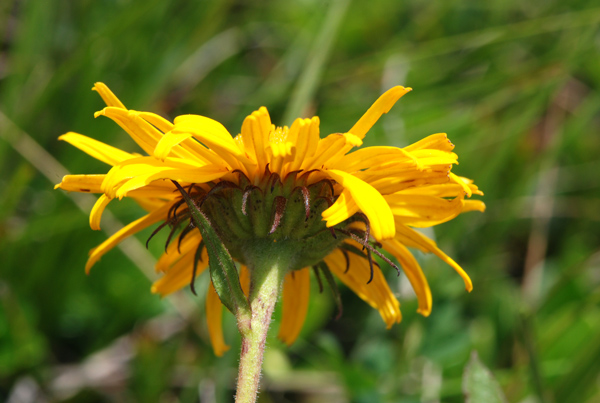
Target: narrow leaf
(223, 272)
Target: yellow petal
(372, 156)
(214, 319)
(167, 142)
(141, 171)
(438, 141)
(377, 293)
(130, 229)
(97, 210)
(423, 211)
(331, 149)
(383, 105)
(81, 183)
(180, 274)
(103, 152)
(413, 272)
(410, 237)
(255, 134)
(145, 139)
(463, 184)
(216, 137)
(175, 251)
(161, 123)
(473, 205)
(344, 208)
(307, 141)
(296, 290)
(107, 95)
(370, 201)
(245, 280)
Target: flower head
(283, 189)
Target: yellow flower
(376, 193)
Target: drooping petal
(377, 293)
(383, 105)
(103, 152)
(214, 320)
(130, 229)
(296, 291)
(413, 272)
(370, 201)
(410, 237)
(97, 210)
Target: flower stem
(265, 285)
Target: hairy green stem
(265, 286)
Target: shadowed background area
(514, 84)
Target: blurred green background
(516, 85)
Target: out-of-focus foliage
(515, 84)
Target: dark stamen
(370, 248)
(173, 210)
(347, 260)
(280, 203)
(161, 226)
(174, 229)
(367, 224)
(370, 265)
(183, 234)
(195, 269)
(318, 275)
